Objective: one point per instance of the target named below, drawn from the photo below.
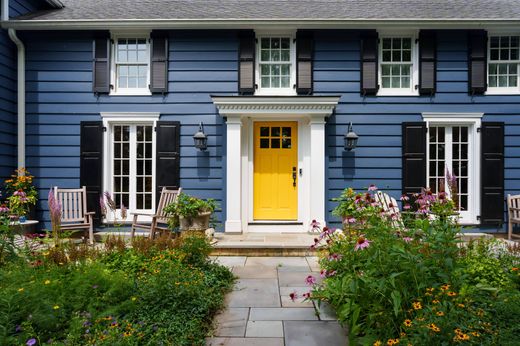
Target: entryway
(275, 191)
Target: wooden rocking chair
(74, 215)
(513, 207)
(159, 220)
(390, 207)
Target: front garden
(58, 291)
(410, 279)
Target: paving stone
(326, 313)
(293, 269)
(254, 293)
(255, 272)
(295, 279)
(232, 322)
(299, 301)
(276, 262)
(265, 329)
(313, 263)
(277, 314)
(232, 261)
(314, 333)
(244, 342)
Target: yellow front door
(275, 171)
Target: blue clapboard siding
(59, 97)
(21, 7)
(377, 120)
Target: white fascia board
(259, 24)
(453, 115)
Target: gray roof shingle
(283, 9)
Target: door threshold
(275, 223)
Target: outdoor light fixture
(351, 139)
(200, 139)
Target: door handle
(294, 176)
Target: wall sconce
(351, 139)
(200, 139)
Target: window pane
(140, 167)
(387, 44)
(385, 70)
(286, 132)
(264, 143)
(139, 184)
(275, 143)
(264, 55)
(396, 82)
(265, 43)
(286, 143)
(275, 82)
(265, 70)
(286, 43)
(405, 82)
(275, 55)
(285, 82)
(494, 42)
(407, 55)
(286, 55)
(275, 43)
(494, 54)
(148, 201)
(264, 131)
(387, 55)
(407, 43)
(148, 166)
(396, 55)
(266, 82)
(275, 131)
(386, 82)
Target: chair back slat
(513, 204)
(73, 204)
(390, 207)
(167, 197)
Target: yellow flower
(403, 334)
(56, 307)
(134, 299)
(460, 305)
(431, 289)
(440, 313)
(445, 287)
(156, 271)
(47, 282)
(434, 327)
(417, 305)
(377, 343)
(435, 301)
(392, 341)
(452, 294)
(21, 289)
(127, 334)
(407, 323)
(475, 334)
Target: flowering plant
(21, 191)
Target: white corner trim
(130, 116)
(262, 106)
(455, 116)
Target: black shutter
(369, 81)
(492, 173)
(427, 62)
(477, 61)
(91, 164)
(159, 62)
(168, 156)
(246, 56)
(414, 157)
(101, 64)
(304, 55)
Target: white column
(233, 175)
(317, 179)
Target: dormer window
(276, 72)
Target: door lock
(294, 176)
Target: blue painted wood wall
(59, 84)
(8, 119)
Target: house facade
(113, 98)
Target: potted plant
(22, 193)
(190, 213)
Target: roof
(105, 10)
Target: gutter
(21, 85)
(279, 23)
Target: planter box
(198, 223)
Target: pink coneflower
(3, 209)
(351, 219)
(307, 295)
(293, 296)
(362, 243)
(19, 193)
(310, 280)
(331, 273)
(372, 187)
(406, 206)
(315, 224)
(335, 257)
(407, 239)
(404, 198)
(323, 273)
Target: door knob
(294, 176)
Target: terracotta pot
(198, 223)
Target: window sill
(502, 91)
(139, 92)
(397, 93)
(276, 92)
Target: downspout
(21, 85)
(21, 96)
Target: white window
(503, 55)
(129, 173)
(397, 65)
(276, 70)
(453, 147)
(130, 65)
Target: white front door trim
(310, 112)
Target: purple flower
(293, 296)
(331, 273)
(372, 187)
(95, 286)
(362, 243)
(54, 210)
(4, 209)
(103, 206)
(20, 194)
(18, 328)
(31, 342)
(307, 295)
(335, 257)
(323, 273)
(407, 239)
(406, 206)
(124, 213)
(110, 202)
(351, 220)
(310, 280)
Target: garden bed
(156, 292)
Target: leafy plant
(188, 207)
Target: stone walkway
(259, 310)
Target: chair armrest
(142, 214)
(90, 213)
(515, 209)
